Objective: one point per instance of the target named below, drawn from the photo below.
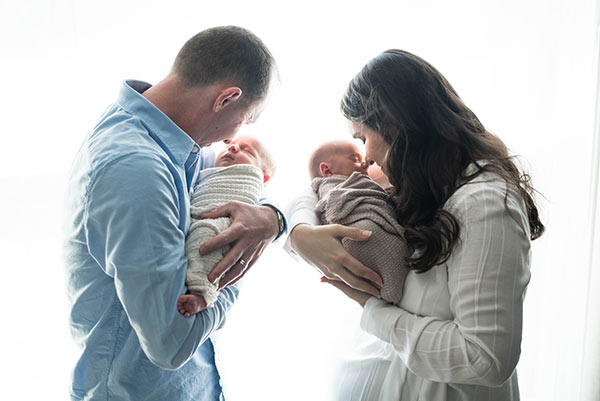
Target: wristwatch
(280, 220)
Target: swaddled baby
(349, 197)
(239, 175)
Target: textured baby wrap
(357, 201)
(215, 187)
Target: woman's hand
(321, 246)
(356, 295)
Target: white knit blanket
(215, 187)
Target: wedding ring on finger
(242, 262)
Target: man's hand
(321, 246)
(252, 229)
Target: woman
(469, 217)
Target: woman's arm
(487, 278)
(321, 246)
(301, 210)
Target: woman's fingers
(358, 296)
(348, 277)
(356, 234)
(321, 246)
(349, 262)
(360, 270)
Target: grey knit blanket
(357, 201)
(215, 187)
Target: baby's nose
(233, 148)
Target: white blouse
(457, 332)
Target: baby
(239, 175)
(349, 197)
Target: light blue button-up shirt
(127, 215)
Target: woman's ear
(326, 170)
(226, 97)
(267, 177)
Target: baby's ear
(267, 177)
(325, 169)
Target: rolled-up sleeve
(132, 220)
(487, 277)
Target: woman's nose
(366, 164)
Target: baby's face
(348, 159)
(241, 150)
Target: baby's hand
(190, 304)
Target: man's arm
(132, 225)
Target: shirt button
(195, 149)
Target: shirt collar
(173, 139)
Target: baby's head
(247, 150)
(339, 157)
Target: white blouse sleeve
(301, 210)
(488, 273)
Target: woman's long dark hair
(433, 137)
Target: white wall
(524, 67)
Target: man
(127, 215)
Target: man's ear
(326, 170)
(267, 177)
(226, 97)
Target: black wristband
(280, 220)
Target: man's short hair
(226, 53)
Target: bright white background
(526, 68)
